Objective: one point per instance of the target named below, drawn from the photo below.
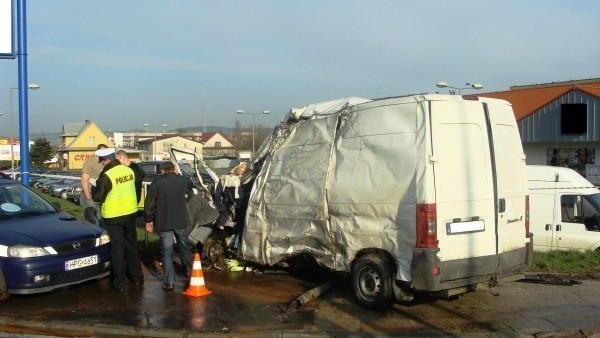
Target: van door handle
(502, 205)
(558, 227)
(548, 226)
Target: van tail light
(526, 214)
(426, 226)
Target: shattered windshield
(18, 201)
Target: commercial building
(559, 123)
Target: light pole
(154, 143)
(253, 114)
(31, 86)
(443, 84)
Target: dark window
(573, 118)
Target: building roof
(526, 100)
(208, 135)
(72, 129)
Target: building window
(218, 144)
(92, 139)
(573, 118)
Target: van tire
(372, 280)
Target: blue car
(42, 248)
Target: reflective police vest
(122, 198)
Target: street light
(31, 86)
(443, 84)
(243, 112)
(154, 143)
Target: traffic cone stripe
(197, 287)
(197, 281)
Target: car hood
(44, 230)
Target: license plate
(81, 262)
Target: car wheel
(214, 248)
(372, 280)
(63, 195)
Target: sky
(125, 63)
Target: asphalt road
(244, 303)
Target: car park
(42, 248)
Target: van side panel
(543, 214)
(372, 186)
(287, 215)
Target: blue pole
(23, 89)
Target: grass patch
(566, 261)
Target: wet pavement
(244, 303)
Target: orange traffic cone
(197, 287)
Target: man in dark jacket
(115, 189)
(166, 213)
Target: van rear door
(479, 174)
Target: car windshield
(17, 201)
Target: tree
(40, 151)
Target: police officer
(115, 189)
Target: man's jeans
(166, 247)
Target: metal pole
(23, 89)
(12, 134)
(253, 150)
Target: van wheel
(372, 280)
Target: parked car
(47, 187)
(37, 183)
(152, 169)
(43, 248)
(60, 189)
(73, 192)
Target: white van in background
(564, 209)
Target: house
(78, 143)
(157, 149)
(559, 123)
(217, 144)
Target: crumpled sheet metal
(337, 184)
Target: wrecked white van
(565, 209)
(417, 193)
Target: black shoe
(168, 286)
(119, 289)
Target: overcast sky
(125, 63)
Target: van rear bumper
(468, 271)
